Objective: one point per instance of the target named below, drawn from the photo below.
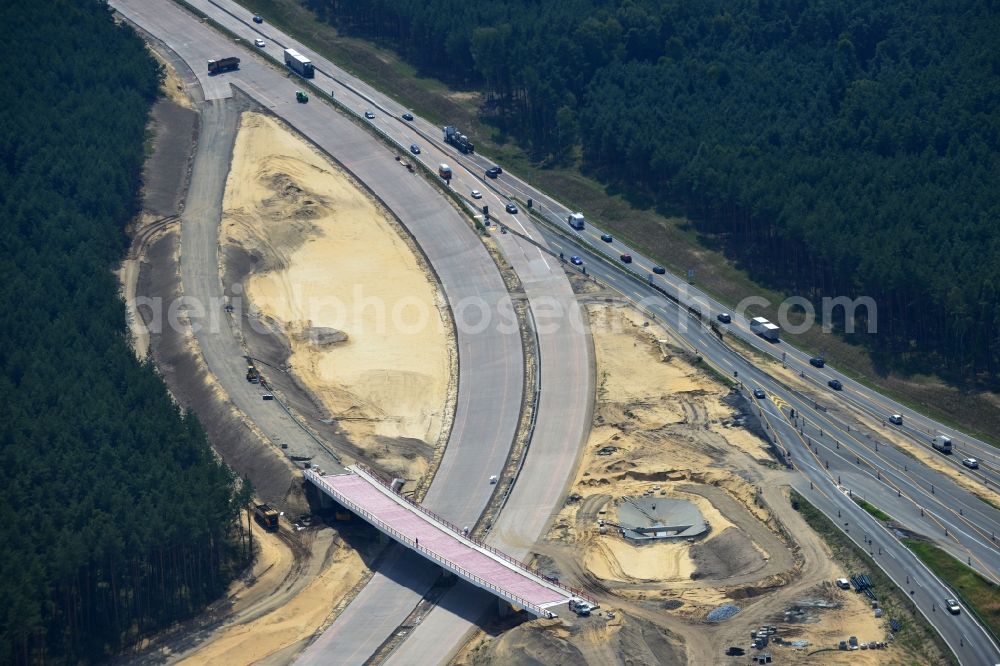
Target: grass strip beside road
(979, 595)
(916, 633)
(878, 513)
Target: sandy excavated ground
(365, 323)
(666, 420)
(257, 630)
(270, 613)
(679, 434)
(622, 640)
(164, 175)
(128, 276)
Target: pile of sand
(662, 428)
(364, 321)
(612, 558)
(624, 639)
(254, 638)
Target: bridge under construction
(362, 492)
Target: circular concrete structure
(647, 518)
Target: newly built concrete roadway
(563, 413)
(203, 293)
(564, 404)
(981, 551)
(490, 357)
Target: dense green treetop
(114, 513)
(837, 148)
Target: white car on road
(476, 194)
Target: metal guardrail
(412, 543)
(458, 533)
(534, 415)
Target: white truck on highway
(575, 220)
(299, 64)
(942, 443)
(765, 329)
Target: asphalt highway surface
(912, 494)
(884, 474)
(831, 473)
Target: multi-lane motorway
(887, 475)
(823, 447)
(831, 471)
(918, 427)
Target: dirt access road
(663, 426)
(327, 272)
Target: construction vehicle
(445, 172)
(459, 140)
(301, 97)
(253, 375)
(223, 65)
(299, 64)
(575, 220)
(267, 516)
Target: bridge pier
(504, 609)
(372, 499)
(319, 502)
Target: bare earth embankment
(363, 319)
(313, 237)
(663, 427)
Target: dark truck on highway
(459, 140)
(223, 65)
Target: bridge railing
(481, 544)
(412, 543)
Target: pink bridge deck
(362, 493)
